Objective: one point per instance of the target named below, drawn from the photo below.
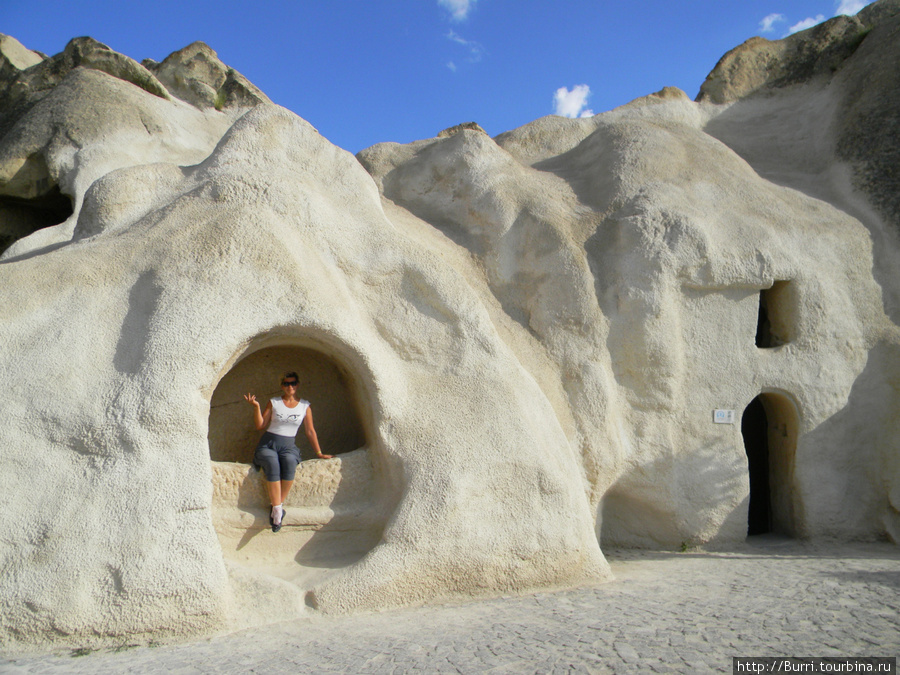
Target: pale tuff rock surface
(514, 345)
(275, 239)
(853, 60)
(69, 120)
(195, 74)
(761, 64)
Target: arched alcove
(323, 382)
(335, 510)
(769, 427)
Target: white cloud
(847, 7)
(457, 38)
(451, 66)
(459, 9)
(475, 50)
(809, 22)
(851, 7)
(572, 103)
(767, 25)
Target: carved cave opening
(323, 382)
(769, 429)
(776, 321)
(334, 509)
(20, 217)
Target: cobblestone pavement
(665, 612)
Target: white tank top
(286, 421)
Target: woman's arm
(311, 434)
(260, 419)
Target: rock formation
(516, 346)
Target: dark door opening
(755, 430)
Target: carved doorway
(769, 426)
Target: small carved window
(777, 315)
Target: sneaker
(276, 518)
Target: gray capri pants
(277, 456)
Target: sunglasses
(293, 383)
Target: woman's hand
(321, 456)
(260, 419)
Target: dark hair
(289, 375)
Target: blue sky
(366, 71)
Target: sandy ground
(665, 612)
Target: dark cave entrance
(20, 217)
(769, 428)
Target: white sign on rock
(723, 416)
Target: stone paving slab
(665, 613)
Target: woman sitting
(276, 454)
